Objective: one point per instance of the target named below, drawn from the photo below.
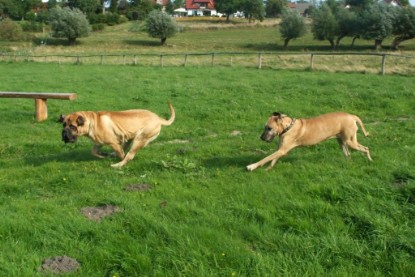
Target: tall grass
(314, 214)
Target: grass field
(314, 214)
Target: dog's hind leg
(352, 143)
(136, 145)
(343, 145)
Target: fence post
(135, 59)
(161, 61)
(260, 60)
(231, 60)
(213, 58)
(123, 59)
(383, 64)
(102, 59)
(312, 62)
(78, 60)
(185, 60)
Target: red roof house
(200, 7)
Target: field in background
(235, 44)
(314, 214)
(200, 37)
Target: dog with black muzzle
(116, 129)
(305, 132)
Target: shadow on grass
(241, 161)
(53, 42)
(307, 48)
(141, 42)
(67, 157)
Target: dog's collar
(286, 129)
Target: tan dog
(139, 127)
(305, 132)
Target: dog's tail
(358, 120)
(172, 117)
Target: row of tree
(133, 9)
(333, 20)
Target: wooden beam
(38, 95)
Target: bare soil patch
(236, 133)
(98, 213)
(59, 265)
(138, 187)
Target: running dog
(305, 132)
(116, 129)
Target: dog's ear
(61, 119)
(277, 114)
(80, 120)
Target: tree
(18, 9)
(68, 23)
(376, 23)
(142, 7)
(403, 25)
(227, 7)
(347, 26)
(178, 4)
(86, 6)
(160, 25)
(253, 9)
(324, 25)
(292, 26)
(170, 7)
(274, 8)
(113, 6)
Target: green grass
(314, 214)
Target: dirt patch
(178, 141)
(97, 213)
(138, 187)
(59, 265)
(236, 133)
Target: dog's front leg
(271, 158)
(96, 151)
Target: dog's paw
(117, 165)
(251, 167)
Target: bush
(98, 27)
(10, 30)
(112, 18)
(160, 25)
(122, 19)
(32, 26)
(68, 23)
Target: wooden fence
(325, 61)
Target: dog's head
(273, 127)
(74, 126)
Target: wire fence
(378, 63)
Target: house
(200, 7)
(301, 8)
